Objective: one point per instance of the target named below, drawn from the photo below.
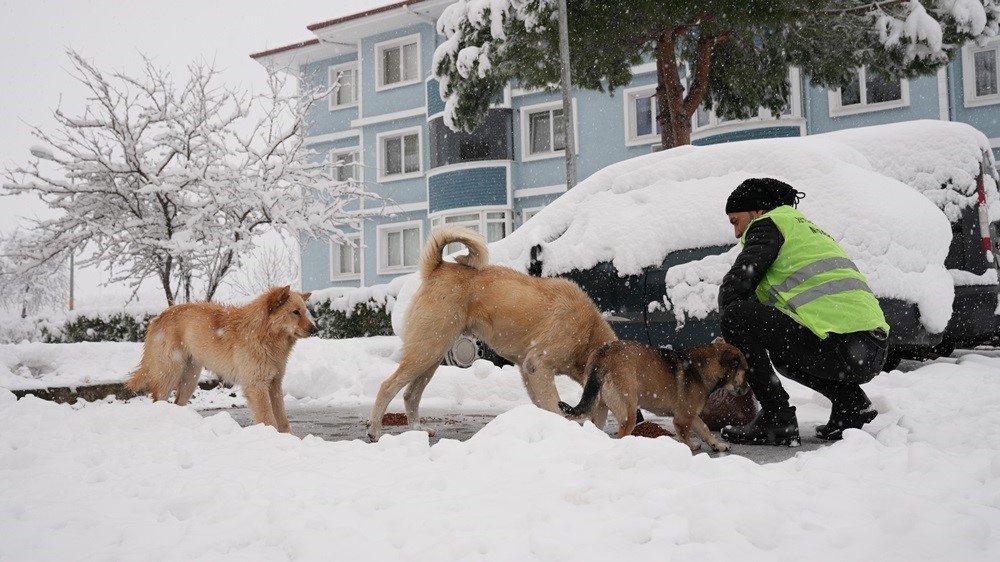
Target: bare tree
(175, 182)
(30, 289)
(267, 266)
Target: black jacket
(763, 242)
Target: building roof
(360, 15)
(341, 35)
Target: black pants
(835, 367)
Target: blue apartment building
(384, 126)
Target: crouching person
(794, 299)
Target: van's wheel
(892, 359)
(463, 352)
(945, 348)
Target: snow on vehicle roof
(635, 212)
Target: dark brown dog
(546, 326)
(629, 375)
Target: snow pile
(156, 481)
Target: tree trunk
(675, 123)
(168, 292)
(676, 107)
(24, 303)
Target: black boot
(851, 410)
(772, 426)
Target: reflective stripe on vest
(828, 288)
(806, 273)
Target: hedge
(340, 313)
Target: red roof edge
(372, 12)
(277, 50)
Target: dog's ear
(305, 296)
(277, 297)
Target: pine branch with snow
(730, 56)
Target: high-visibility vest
(815, 282)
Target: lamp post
(44, 153)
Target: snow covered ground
(143, 481)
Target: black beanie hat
(762, 193)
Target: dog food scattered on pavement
(650, 429)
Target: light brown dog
(247, 345)
(546, 326)
(630, 375)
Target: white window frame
(480, 224)
(380, 48)
(526, 112)
(357, 162)
(838, 110)
(383, 246)
(969, 73)
(529, 212)
(764, 118)
(333, 76)
(380, 140)
(632, 137)
(336, 249)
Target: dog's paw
(694, 446)
(418, 427)
(720, 447)
(374, 435)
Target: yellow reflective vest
(815, 282)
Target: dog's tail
(591, 389)
(478, 257)
(138, 381)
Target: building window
(399, 154)
(495, 224)
(490, 140)
(869, 91)
(705, 122)
(399, 247)
(705, 118)
(981, 73)
(346, 95)
(344, 166)
(543, 131)
(526, 214)
(641, 110)
(398, 62)
(345, 258)
(547, 131)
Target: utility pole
(567, 95)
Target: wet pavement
(347, 423)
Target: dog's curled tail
(591, 389)
(478, 257)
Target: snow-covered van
(649, 240)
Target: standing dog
(629, 374)
(248, 345)
(547, 326)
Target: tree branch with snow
(178, 182)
